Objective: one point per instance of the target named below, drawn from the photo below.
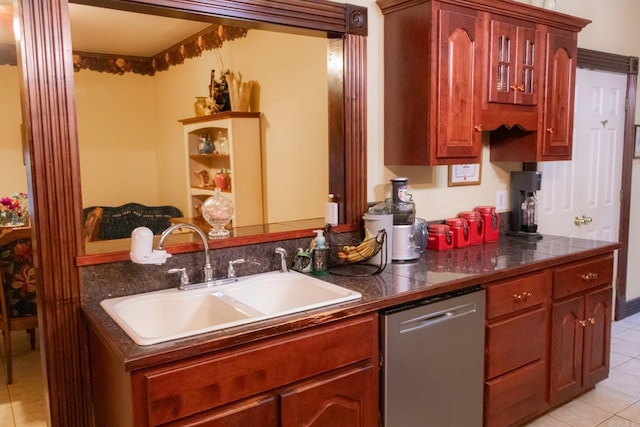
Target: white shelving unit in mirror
(233, 163)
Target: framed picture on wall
(636, 150)
(468, 174)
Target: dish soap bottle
(320, 255)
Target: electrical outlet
(501, 201)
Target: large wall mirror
(13, 175)
(131, 140)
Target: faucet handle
(184, 277)
(231, 272)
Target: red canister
(439, 237)
(474, 221)
(459, 231)
(490, 221)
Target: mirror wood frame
(51, 152)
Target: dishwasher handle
(436, 317)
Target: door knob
(582, 221)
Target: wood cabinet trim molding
(501, 7)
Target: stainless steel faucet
(208, 270)
(283, 259)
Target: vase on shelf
(6, 218)
(222, 143)
(217, 210)
(222, 180)
(205, 146)
(200, 106)
(239, 92)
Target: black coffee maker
(524, 206)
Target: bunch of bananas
(365, 250)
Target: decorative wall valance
(210, 38)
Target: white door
(581, 197)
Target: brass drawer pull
(590, 276)
(522, 297)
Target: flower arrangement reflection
(14, 210)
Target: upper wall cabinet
(456, 68)
(433, 69)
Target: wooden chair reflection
(17, 299)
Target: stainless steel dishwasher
(433, 361)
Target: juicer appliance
(524, 204)
(409, 232)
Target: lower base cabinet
(517, 336)
(580, 345)
(548, 337)
(322, 376)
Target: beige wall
(13, 174)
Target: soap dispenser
(320, 255)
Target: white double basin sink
(160, 316)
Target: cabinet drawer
(581, 276)
(515, 342)
(515, 396)
(259, 411)
(185, 388)
(517, 294)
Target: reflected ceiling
(133, 34)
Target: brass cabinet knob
(478, 128)
(522, 297)
(550, 130)
(588, 277)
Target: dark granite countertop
(436, 272)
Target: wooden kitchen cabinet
(433, 72)
(322, 374)
(455, 69)
(556, 134)
(516, 348)
(581, 327)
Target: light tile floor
(22, 403)
(615, 402)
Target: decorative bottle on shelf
(205, 146)
(222, 143)
(217, 210)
